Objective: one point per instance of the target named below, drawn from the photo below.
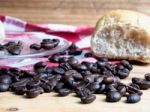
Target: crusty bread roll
(2, 32)
(122, 34)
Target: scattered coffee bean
(113, 96)
(147, 76)
(133, 98)
(88, 99)
(64, 91)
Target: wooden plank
(51, 102)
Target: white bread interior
(122, 34)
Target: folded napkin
(15, 28)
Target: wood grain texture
(50, 102)
(77, 12)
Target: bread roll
(122, 34)
(2, 32)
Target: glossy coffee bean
(133, 98)
(101, 89)
(123, 73)
(74, 52)
(58, 70)
(126, 64)
(122, 90)
(5, 79)
(113, 96)
(82, 67)
(54, 58)
(102, 59)
(147, 76)
(65, 66)
(4, 87)
(59, 86)
(144, 84)
(35, 46)
(20, 90)
(74, 74)
(73, 46)
(136, 80)
(32, 93)
(47, 45)
(88, 99)
(94, 86)
(88, 54)
(133, 90)
(108, 80)
(64, 91)
(33, 84)
(63, 59)
(134, 85)
(109, 88)
(40, 65)
(14, 50)
(72, 61)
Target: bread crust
(133, 26)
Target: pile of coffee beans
(85, 79)
(13, 48)
(46, 44)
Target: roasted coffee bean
(126, 64)
(11, 43)
(108, 80)
(82, 92)
(134, 85)
(65, 66)
(113, 96)
(64, 91)
(72, 61)
(49, 44)
(136, 80)
(76, 75)
(123, 73)
(82, 67)
(14, 50)
(46, 40)
(144, 84)
(58, 70)
(54, 58)
(59, 86)
(33, 84)
(133, 98)
(14, 70)
(99, 79)
(74, 52)
(20, 90)
(122, 89)
(1, 47)
(147, 76)
(93, 86)
(132, 90)
(109, 88)
(32, 93)
(102, 59)
(88, 54)
(35, 46)
(40, 65)
(88, 99)
(89, 79)
(63, 59)
(5, 79)
(101, 89)
(4, 87)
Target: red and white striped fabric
(79, 35)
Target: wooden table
(76, 12)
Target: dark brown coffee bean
(108, 80)
(74, 52)
(65, 66)
(59, 86)
(32, 93)
(88, 99)
(14, 50)
(134, 85)
(102, 59)
(82, 92)
(64, 91)
(76, 75)
(133, 90)
(58, 70)
(121, 89)
(63, 59)
(54, 58)
(101, 89)
(123, 73)
(33, 84)
(147, 76)
(20, 90)
(113, 96)
(40, 65)
(5, 79)
(144, 84)
(11, 43)
(35, 46)
(99, 79)
(127, 65)
(89, 79)
(88, 54)
(82, 67)
(133, 98)
(72, 61)
(93, 86)
(136, 80)
(4, 87)
(109, 88)
(47, 45)
(73, 46)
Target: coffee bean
(58, 70)
(47, 45)
(109, 88)
(75, 74)
(54, 58)
(35, 46)
(64, 91)
(99, 79)
(121, 89)
(73, 46)
(93, 86)
(123, 73)
(134, 85)
(102, 59)
(40, 65)
(10, 43)
(33, 84)
(133, 90)
(113, 96)
(72, 61)
(20, 90)
(89, 79)
(147, 76)
(74, 52)
(5, 79)
(126, 64)
(59, 86)
(1, 47)
(32, 93)
(136, 80)
(88, 54)
(144, 84)
(88, 99)
(101, 89)
(133, 98)
(82, 67)
(63, 59)
(14, 50)
(108, 80)
(65, 66)
(4, 87)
